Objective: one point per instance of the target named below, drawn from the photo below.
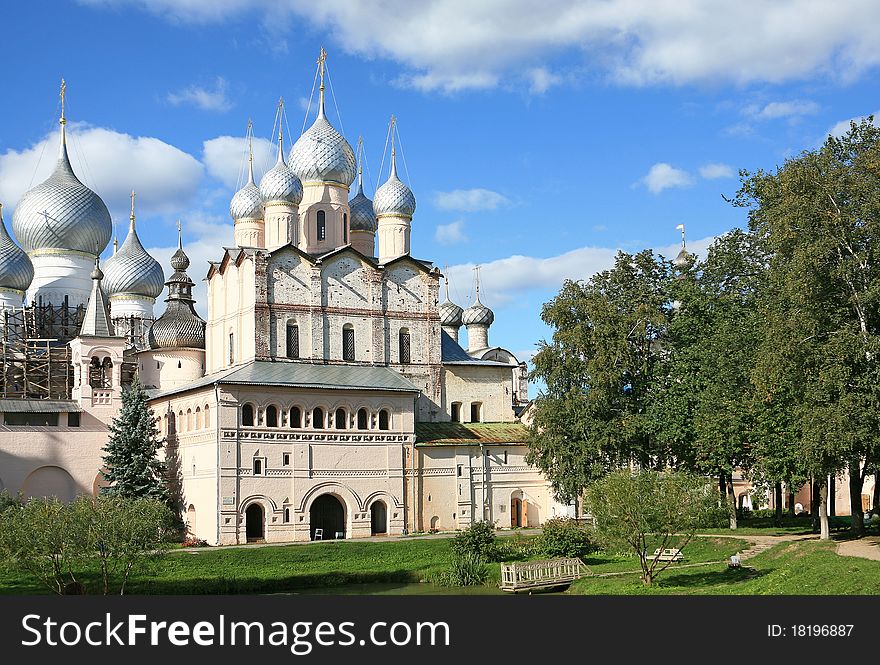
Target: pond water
(406, 589)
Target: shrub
(564, 537)
(516, 548)
(467, 569)
(478, 539)
(192, 541)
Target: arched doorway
(516, 512)
(378, 518)
(50, 481)
(254, 523)
(327, 514)
(191, 520)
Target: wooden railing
(539, 574)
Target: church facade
(327, 394)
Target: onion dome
(450, 313)
(322, 154)
(477, 313)
(16, 269)
(179, 326)
(61, 213)
(394, 198)
(131, 270)
(280, 183)
(362, 216)
(247, 202)
(682, 260)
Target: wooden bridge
(539, 575)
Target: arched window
(348, 342)
(383, 419)
(271, 416)
(207, 416)
(247, 415)
(96, 373)
(340, 418)
(231, 348)
(344, 229)
(403, 346)
(295, 418)
(318, 418)
(322, 225)
(181, 423)
(363, 419)
(456, 412)
(292, 340)
(199, 422)
(189, 420)
(107, 373)
(476, 412)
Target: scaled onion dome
(247, 202)
(280, 182)
(450, 313)
(322, 154)
(394, 198)
(362, 216)
(61, 213)
(16, 269)
(478, 314)
(131, 270)
(179, 326)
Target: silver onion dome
(247, 202)
(322, 154)
(394, 198)
(179, 326)
(16, 269)
(62, 213)
(478, 314)
(131, 270)
(280, 182)
(450, 314)
(362, 216)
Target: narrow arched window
(107, 373)
(344, 229)
(271, 416)
(295, 418)
(340, 418)
(207, 416)
(362, 419)
(383, 419)
(96, 373)
(247, 415)
(189, 420)
(292, 340)
(456, 412)
(199, 422)
(348, 342)
(476, 412)
(181, 423)
(322, 225)
(404, 346)
(318, 418)
(231, 348)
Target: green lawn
(765, 526)
(281, 569)
(799, 568)
(697, 551)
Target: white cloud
(450, 234)
(541, 80)
(226, 159)
(664, 176)
(457, 44)
(205, 99)
(469, 200)
(842, 127)
(112, 164)
(775, 110)
(715, 171)
(505, 280)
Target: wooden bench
(668, 554)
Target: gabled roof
(424, 266)
(465, 434)
(451, 353)
(303, 375)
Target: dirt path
(866, 548)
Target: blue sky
(538, 138)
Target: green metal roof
(304, 375)
(464, 434)
(39, 406)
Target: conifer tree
(133, 469)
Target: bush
(192, 541)
(515, 548)
(467, 569)
(564, 537)
(478, 539)
(9, 501)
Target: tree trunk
(731, 502)
(824, 533)
(855, 498)
(722, 486)
(832, 495)
(777, 502)
(814, 504)
(790, 503)
(875, 509)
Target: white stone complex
(326, 396)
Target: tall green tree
(130, 457)
(599, 370)
(819, 215)
(702, 406)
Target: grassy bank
(794, 568)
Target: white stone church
(328, 394)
